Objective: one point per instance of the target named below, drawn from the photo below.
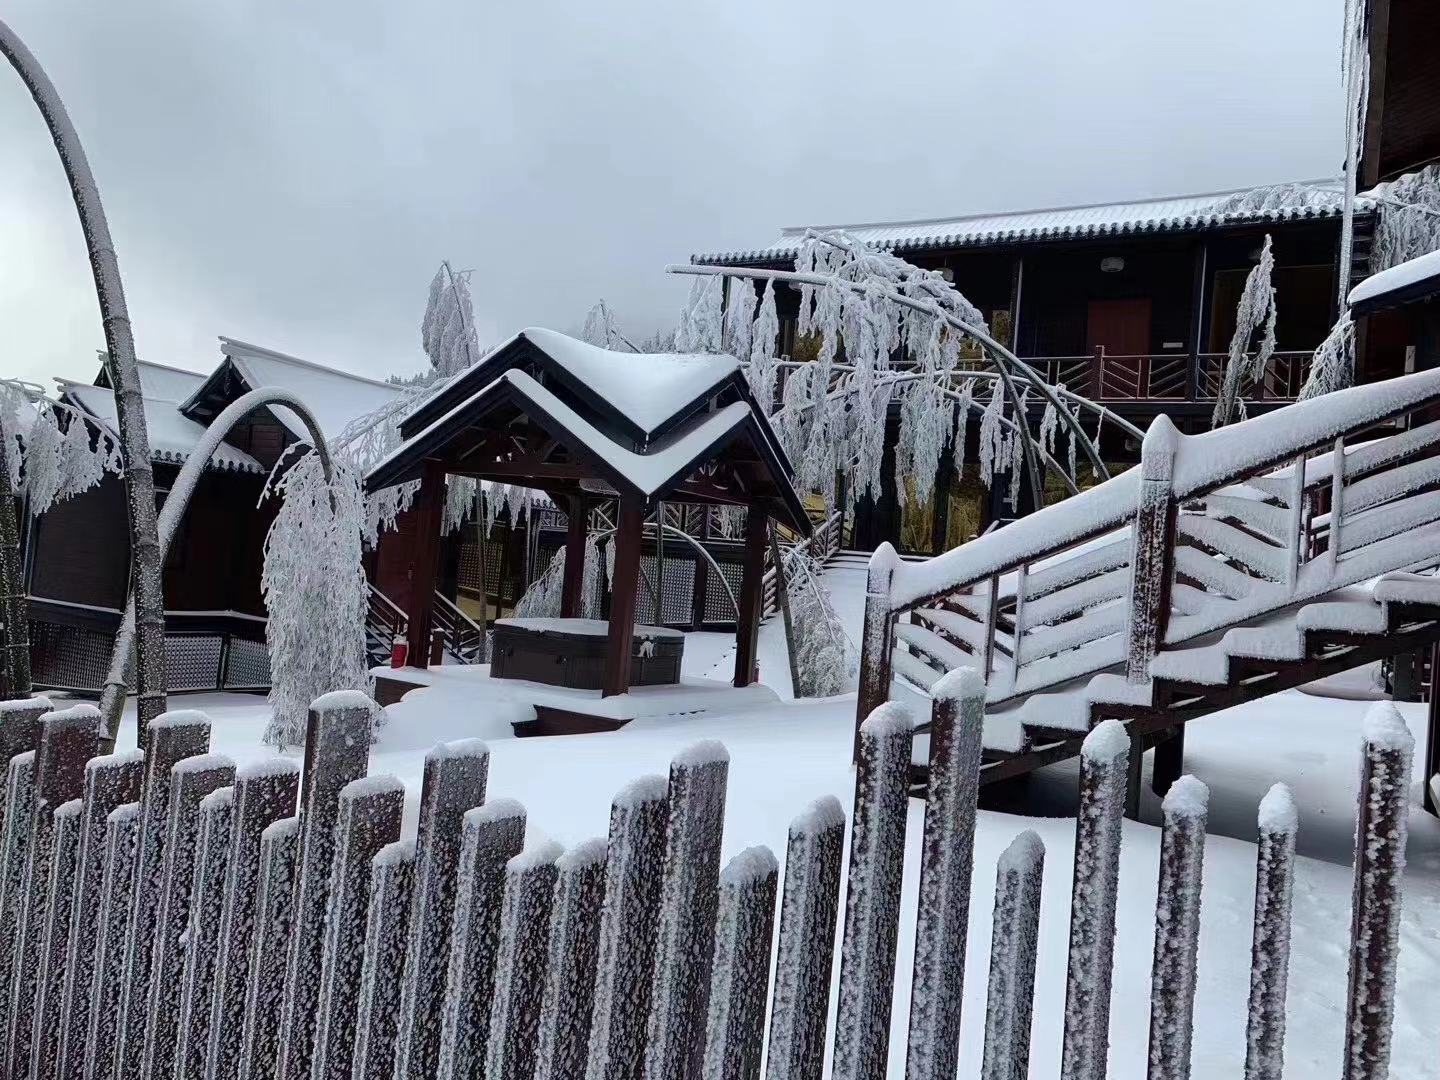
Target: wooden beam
(571, 599)
(429, 506)
(747, 627)
(622, 599)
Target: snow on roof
(1402, 283)
(649, 388)
(1276, 202)
(335, 397)
(172, 435)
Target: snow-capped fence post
(1152, 556)
(520, 963)
(19, 810)
(629, 925)
(1177, 929)
(1270, 950)
(68, 739)
(337, 751)
(876, 639)
(943, 917)
(491, 835)
(19, 732)
(872, 902)
(171, 738)
(202, 933)
(1014, 939)
(191, 781)
(54, 936)
(689, 896)
(1337, 501)
(455, 777)
(1104, 760)
(368, 820)
(569, 998)
(392, 881)
(265, 792)
(808, 909)
(110, 782)
(1295, 524)
(274, 919)
(744, 927)
(94, 1059)
(1381, 830)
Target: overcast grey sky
(292, 173)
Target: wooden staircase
(1228, 566)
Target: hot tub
(571, 653)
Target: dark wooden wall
(80, 550)
(1403, 128)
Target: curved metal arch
(735, 604)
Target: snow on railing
(310, 937)
(1210, 530)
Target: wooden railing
(826, 541)
(1210, 531)
(170, 914)
(1105, 376)
(464, 637)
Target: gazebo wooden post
(747, 626)
(573, 582)
(622, 598)
(429, 505)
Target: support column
(1432, 735)
(622, 598)
(747, 626)
(1197, 321)
(429, 505)
(571, 585)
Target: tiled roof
(1280, 202)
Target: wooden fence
(167, 914)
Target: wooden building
(77, 556)
(1132, 304)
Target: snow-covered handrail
(1208, 531)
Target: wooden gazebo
(586, 424)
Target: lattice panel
(192, 661)
(248, 664)
(717, 605)
(69, 657)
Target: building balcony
(1167, 377)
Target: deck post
(1153, 554)
(1432, 736)
(1169, 761)
(1197, 322)
(429, 505)
(747, 625)
(622, 598)
(571, 601)
(876, 640)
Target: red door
(1122, 329)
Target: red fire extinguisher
(398, 648)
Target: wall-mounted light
(1112, 264)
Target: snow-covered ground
(785, 755)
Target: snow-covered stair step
(1351, 616)
(1203, 665)
(1070, 710)
(1269, 519)
(1280, 642)
(961, 627)
(1212, 573)
(914, 670)
(932, 644)
(1408, 589)
(1264, 559)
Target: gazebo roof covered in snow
(546, 411)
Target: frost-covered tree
(1255, 313)
(1333, 366)
(447, 332)
(823, 656)
(542, 599)
(602, 330)
(872, 329)
(48, 453)
(1409, 218)
(145, 557)
(315, 591)
(701, 319)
